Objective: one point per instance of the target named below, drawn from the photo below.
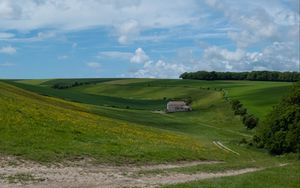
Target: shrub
(250, 121)
(240, 111)
(236, 104)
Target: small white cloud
(6, 35)
(8, 50)
(115, 55)
(45, 35)
(128, 31)
(94, 65)
(7, 64)
(139, 56)
(63, 57)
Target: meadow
(122, 121)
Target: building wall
(176, 108)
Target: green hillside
(123, 121)
(47, 129)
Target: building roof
(176, 103)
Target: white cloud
(9, 9)
(155, 69)
(160, 69)
(62, 57)
(214, 51)
(261, 21)
(4, 35)
(278, 56)
(40, 36)
(94, 65)
(115, 55)
(126, 15)
(7, 64)
(8, 50)
(139, 57)
(128, 31)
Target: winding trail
(86, 174)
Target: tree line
(254, 75)
(249, 120)
(63, 85)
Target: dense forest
(254, 75)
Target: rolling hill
(122, 121)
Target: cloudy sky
(146, 38)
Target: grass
(95, 121)
(277, 177)
(44, 129)
(103, 100)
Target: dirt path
(222, 147)
(16, 173)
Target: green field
(122, 121)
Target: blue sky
(143, 38)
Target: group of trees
(280, 131)
(254, 75)
(63, 85)
(249, 120)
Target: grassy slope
(211, 120)
(257, 96)
(275, 177)
(45, 129)
(104, 100)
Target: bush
(240, 111)
(236, 104)
(250, 121)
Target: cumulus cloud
(10, 9)
(139, 56)
(8, 50)
(129, 17)
(155, 69)
(257, 23)
(160, 69)
(278, 56)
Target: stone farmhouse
(178, 106)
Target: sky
(146, 38)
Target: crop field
(122, 121)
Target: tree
(280, 131)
